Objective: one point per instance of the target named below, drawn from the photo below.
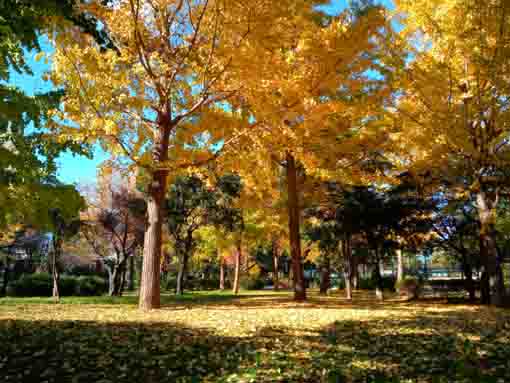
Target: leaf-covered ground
(261, 337)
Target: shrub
(82, 270)
(90, 286)
(67, 285)
(41, 285)
(388, 283)
(32, 285)
(251, 283)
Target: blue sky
(72, 169)
(78, 169)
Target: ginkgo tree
(453, 106)
(314, 103)
(158, 99)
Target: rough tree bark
(348, 266)
(150, 294)
(131, 281)
(377, 277)
(57, 249)
(325, 276)
(274, 253)
(295, 239)
(5, 282)
(486, 204)
(222, 274)
(400, 265)
(237, 268)
(181, 274)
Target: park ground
(254, 337)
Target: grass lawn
(258, 336)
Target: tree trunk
(237, 270)
(348, 265)
(222, 274)
(131, 281)
(5, 282)
(325, 276)
(110, 279)
(485, 295)
(400, 266)
(123, 277)
(274, 252)
(354, 272)
(57, 248)
(116, 278)
(295, 239)
(377, 278)
(151, 267)
(486, 204)
(181, 274)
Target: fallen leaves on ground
(253, 338)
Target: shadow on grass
(429, 347)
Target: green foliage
(90, 286)
(387, 282)
(67, 286)
(41, 285)
(32, 285)
(27, 160)
(250, 282)
(195, 284)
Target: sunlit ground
(259, 336)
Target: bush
(81, 270)
(251, 283)
(388, 283)
(91, 286)
(41, 285)
(32, 285)
(67, 286)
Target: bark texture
(150, 294)
(493, 289)
(237, 269)
(295, 239)
(274, 253)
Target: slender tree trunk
(354, 272)
(151, 267)
(222, 274)
(181, 274)
(348, 265)
(5, 282)
(237, 269)
(150, 294)
(274, 253)
(123, 277)
(400, 266)
(377, 278)
(485, 290)
(57, 248)
(116, 280)
(109, 270)
(295, 239)
(131, 281)
(325, 276)
(486, 204)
